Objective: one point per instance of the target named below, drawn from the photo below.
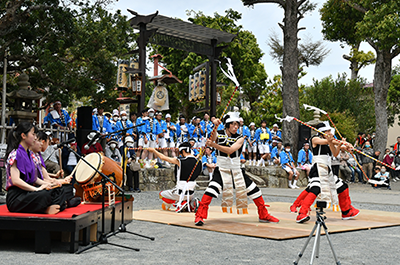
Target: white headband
(186, 148)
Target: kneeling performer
(228, 144)
(183, 169)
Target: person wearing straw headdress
(322, 182)
(228, 144)
(183, 192)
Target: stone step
(202, 182)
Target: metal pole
(3, 103)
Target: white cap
(240, 119)
(123, 112)
(275, 125)
(233, 116)
(91, 135)
(94, 110)
(252, 124)
(151, 110)
(115, 112)
(128, 139)
(168, 115)
(326, 127)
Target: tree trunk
(354, 69)
(382, 77)
(290, 69)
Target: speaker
(81, 137)
(304, 135)
(85, 118)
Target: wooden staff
(289, 118)
(230, 75)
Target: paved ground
(178, 245)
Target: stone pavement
(179, 245)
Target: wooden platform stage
(287, 228)
(82, 223)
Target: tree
(310, 53)
(338, 24)
(294, 12)
(68, 48)
(347, 98)
(394, 95)
(379, 27)
(243, 50)
(377, 23)
(268, 104)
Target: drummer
(56, 180)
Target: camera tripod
(317, 227)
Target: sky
(262, 20)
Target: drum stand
(315, 252)
(103, 236)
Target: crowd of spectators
(263, 146)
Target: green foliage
(69, 50)
(381, 23)
(243, 50)
(268, 104)
(346, 97)
(310, 53)
(394, 98)
(345, 124)
(339, 21)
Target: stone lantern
(314, 122)
(23, 101)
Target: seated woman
(26, 193)
(39, 145)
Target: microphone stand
(122, 227)
(104, 179)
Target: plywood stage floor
(287, 228)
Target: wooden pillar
(142, 64)
(213, 83)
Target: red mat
(67, 213)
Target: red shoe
(353, 212)
(198, 221)
(302, 218)
(263, 215)
(268, 219)
(202, 210)
(299, 200)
